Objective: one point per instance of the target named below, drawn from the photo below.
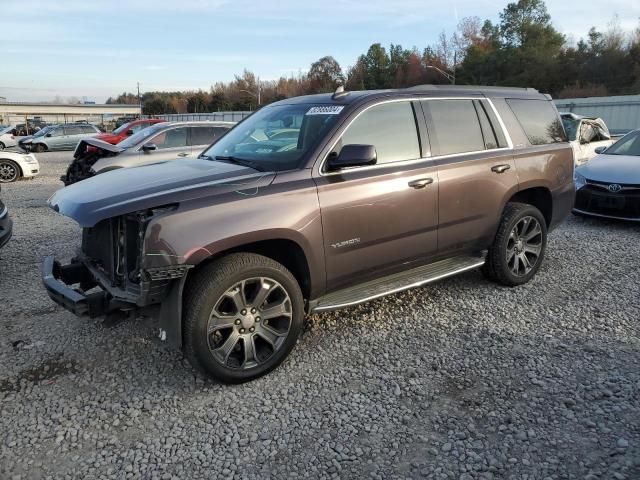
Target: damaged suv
(313, 204)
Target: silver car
(63, 137)
(609, 184)
(157, 143)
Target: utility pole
(259, 88)
(455, 61)
(139, 102)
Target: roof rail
(471, 87)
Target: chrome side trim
(590, 214)
(325, 308)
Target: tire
(518, 249)
(2, 146)
(38, 148)
(9, 171)
(227, 341)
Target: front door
(377, 218)
(172, 144)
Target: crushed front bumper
(59, 281)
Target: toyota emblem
(615, 187)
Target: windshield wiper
(237, 161)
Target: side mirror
(129, 132)
(353, 156)
(48, 135)
(600, 149)
(149, 147)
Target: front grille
(594, 198)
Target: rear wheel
(518, 249)
(9, 171)
(243, 315)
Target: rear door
(476, 170)
(73, 134)
(378, 218)
(200, 137)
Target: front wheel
(38, 148)
(243, 314)
(517, 251)
(2, 146)
(9, 171)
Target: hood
(109, 138)
(624, 169)
(27, 139)
(94, 142)
(127, 190)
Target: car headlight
(30, 159)
(579, 180)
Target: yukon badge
(346, 243)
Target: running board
(396, 283)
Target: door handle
(500, 168)
(420, 183)
(183, 154)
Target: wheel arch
(539, 197)
(17, 164)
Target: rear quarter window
(539, 120)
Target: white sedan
(6, 138)
(14, 165)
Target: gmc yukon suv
(313, 204)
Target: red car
(127, 130)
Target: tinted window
(539, 121)
(206, 135)
(176, 137)
(456, 128)
(390, 128)
(73, 130)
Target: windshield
(121, 128)
(276, 138)
(140, 137)
(6, 130)
(570, 126)
(627, 145)
(42, 132)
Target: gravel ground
(461, 380)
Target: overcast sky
(97, 48)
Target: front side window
(456, 127)
(539, 120)
(276, 138)
(390, 128)
(173, 138)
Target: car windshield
(276, 138)
(627, 145)
(6, 130)
(121, 128)
(140, 137)
(42, 132)
(570, 126)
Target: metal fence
(215, 116)
(621, 113)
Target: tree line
(523, 49)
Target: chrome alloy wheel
(249, 323)
(524, 246)
(8, 172)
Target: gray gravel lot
(461, 380)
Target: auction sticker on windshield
(325, 110)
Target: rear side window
(88, 129)
(390, 128)
(206, 135)
(75, 130)
(539, 120)
(455, 126)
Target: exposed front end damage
(87, 153)
(108, 275)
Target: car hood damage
(86, 154)
(128, 190)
